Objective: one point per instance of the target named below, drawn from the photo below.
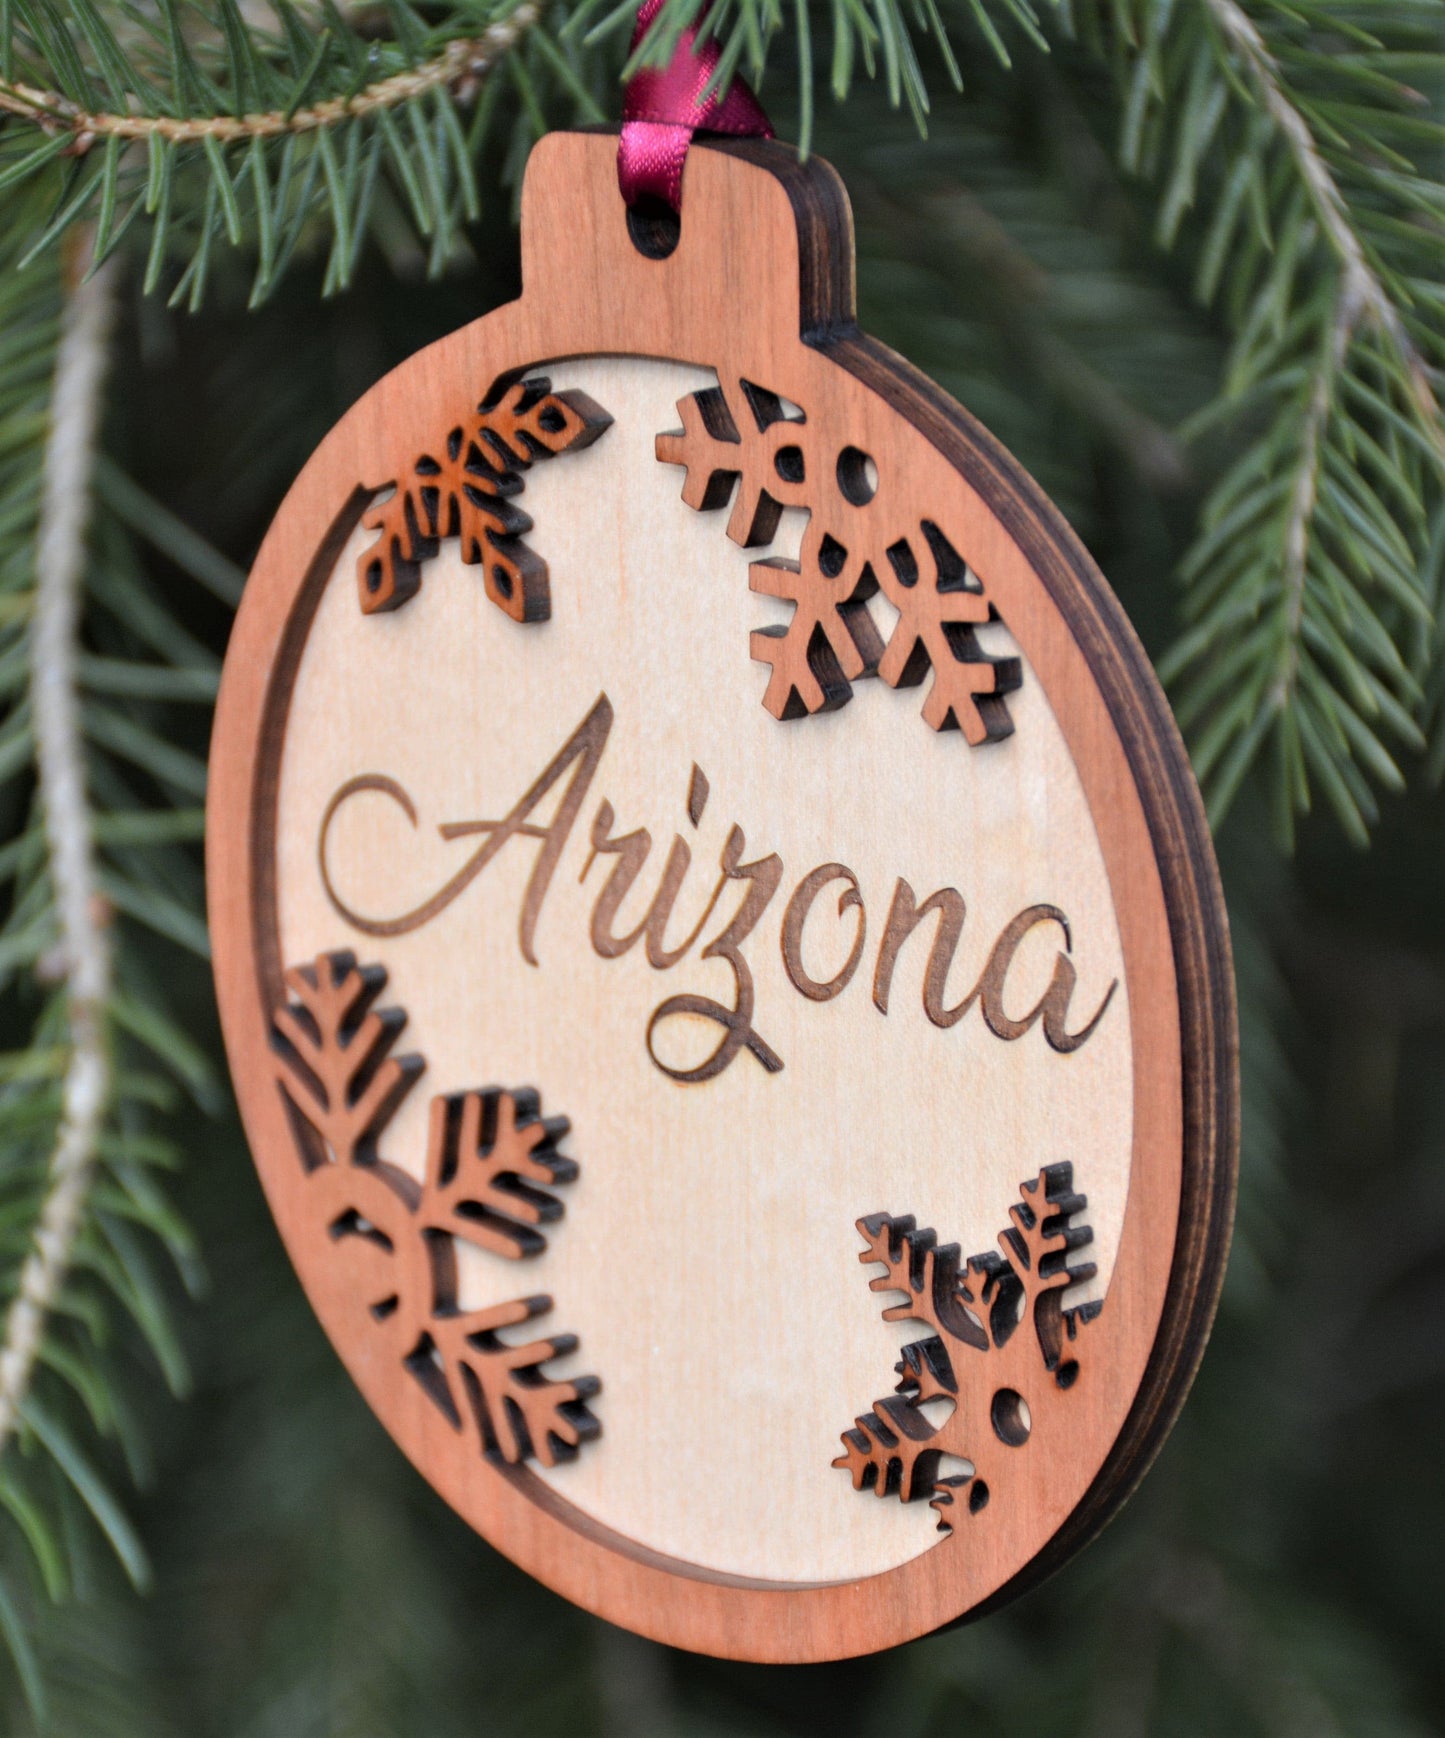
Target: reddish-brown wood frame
(764, 266)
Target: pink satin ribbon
(663, 106)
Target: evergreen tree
(1184, 259)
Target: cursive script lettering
(631, 851)
(584, 746)
(574, 767)
(904, 917)
(762, 878)
(796, 916)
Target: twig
(60, 770)
(458, 63)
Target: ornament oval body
(718, 945)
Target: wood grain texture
(759, 288)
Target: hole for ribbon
(655, 228)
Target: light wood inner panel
(708, 1258)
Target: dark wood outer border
(614, 1576)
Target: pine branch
(1283, 145)
(93, 853)
(155, 130)
(1361, 292)
(200, 129)
(85, 949)
(884, 36)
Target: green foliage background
(1186, 264)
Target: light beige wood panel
(709, 1259)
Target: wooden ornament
(599, 797)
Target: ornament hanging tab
(663, 106)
